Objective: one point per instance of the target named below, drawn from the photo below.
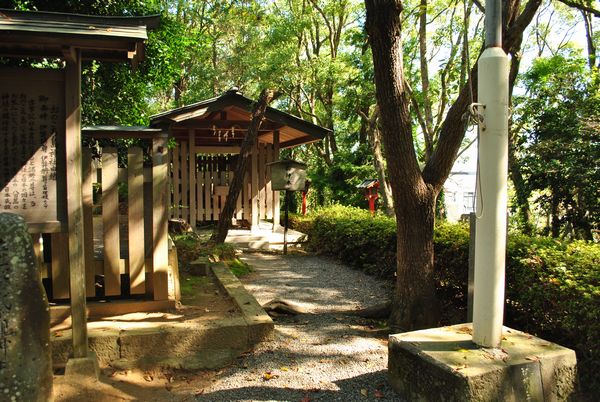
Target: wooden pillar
(59, 266)
(88, 222)
(262, 194)
(176, 177)
(135, 211)
(185, 183)
(276, 212)
(110, 222)
(75, 203)
(192, 176)
(160, 251)
(199, 191)
(268, 187)
(254, 209)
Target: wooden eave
(119, 132)
(27, 34)
(232, 111)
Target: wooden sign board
(32, 132)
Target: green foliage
(552, 287)
(554, 291)
(336, 183)
(559, 143)
(356, 238)
(239, 267)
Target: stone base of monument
(444, 364)
(83, 366)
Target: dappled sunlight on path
(321, 356)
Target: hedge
(552, 287)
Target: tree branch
(479, 6)
(258, 112)
(453, 129)
(581, 7)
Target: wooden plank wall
(125, 235)
(197, 186)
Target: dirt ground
(133, 385)
(321, 356)
(202, 300)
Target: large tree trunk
(235, 187)
(415, 304)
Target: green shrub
(356, 238)
(552, 287)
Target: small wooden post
(269, 189)
(262, 194)
(246, 202)
(88, 223)
(286, 222)
(176, 188)
(160, 254)
(199, 189)
(192, 175)
(254, 175)
(276, 207)
(185, 183)
(75, 203)
(59, 266)
(135, 210)
(110, 222)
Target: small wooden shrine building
(208, 137)
(41, 174)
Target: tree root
(278, 307)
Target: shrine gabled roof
(232, 111)
(368, 183)
(47, 34)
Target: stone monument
(25, 358)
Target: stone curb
(188, 346)
(260, 325)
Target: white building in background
(459, 189)
(459, 194)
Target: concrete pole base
(83, 366)
(444, 364)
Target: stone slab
(104, 344)
(83, 366)
(165, 340)
(443, 364)
(181, 340)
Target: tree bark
(589, 36)
(415, 304)
(235, 187)
(374, 135)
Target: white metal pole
(490, 237)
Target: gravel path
(315, 357)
